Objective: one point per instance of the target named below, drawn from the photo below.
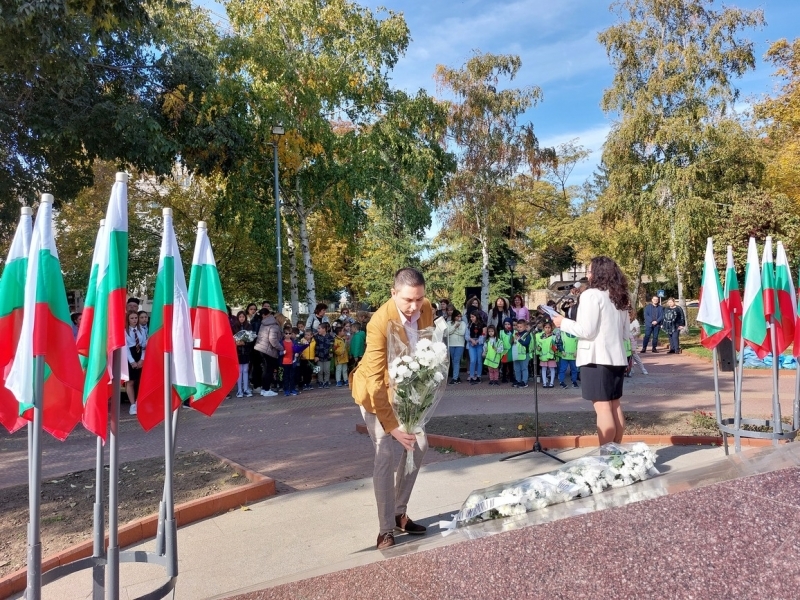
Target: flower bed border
(503, 445)
(260, 487)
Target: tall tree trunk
(637, 288)
(293, 291)
(484, 238)
(678, 271)
(305, 249)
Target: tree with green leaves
(675, 62)
(490, 145)
(121, 80)
(320, 69)
(781, 120)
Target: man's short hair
(444, 301)
(408, 276)
(133, 299)
(264, 312)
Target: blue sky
(557, 41)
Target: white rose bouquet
(418, 377)
(616, 466)
(244, 336)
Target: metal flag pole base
(537, 446)
(34, 585)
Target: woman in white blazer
(602, 328)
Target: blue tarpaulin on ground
(751, 360)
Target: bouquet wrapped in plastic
(417, 376)
(244, 336)
(617, 465)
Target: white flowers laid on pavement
(617, 465)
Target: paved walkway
(309, 444)
(310, 441)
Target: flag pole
(737, 402)
(34, 588)
(98, 546)
(717, 399)
(112, 560)
(777, 428)
(170, 529)
(796, 421)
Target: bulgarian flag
(216, 362)
(786, 301)
(754, 325)
(85, 330)
(713, 317)
(771, 307)
(170, 331)
(47, 333)
(102, 328)
(12, 301)
(733, 298)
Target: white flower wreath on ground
(616, 466)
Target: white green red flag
(102, 329)
(713, 316)
(786, 301)
(754, 324)
(170, 331)
(85, 328)
(216, 362)
(768, 280)
(733, 298)
(12, 302)
(47, 333)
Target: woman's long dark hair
(607, 276)
(496, 314)
(239, 326)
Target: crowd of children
(509, 350)
(308, 351)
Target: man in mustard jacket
(370, 384)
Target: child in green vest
(493, 351)
(519, 353)
(506, 364)
(546, 351)
(569, 349)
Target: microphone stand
(537, 447)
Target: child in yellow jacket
(341, 357)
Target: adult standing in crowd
(456, 336)
(409, 307)
(653, 318)
(269, 344)
(244, 351)
(132, 305)
(476, 334)
(569, 306)
(499, 313)
(474, 305)
(344, 316)
(521, 312)
(673, 324)
(444, 309)
(136, 341)
(318, 317)
(603, 327)
(254, 319)
(635, 329)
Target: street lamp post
(277, 132)
(512, 264)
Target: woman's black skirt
(602, 382)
